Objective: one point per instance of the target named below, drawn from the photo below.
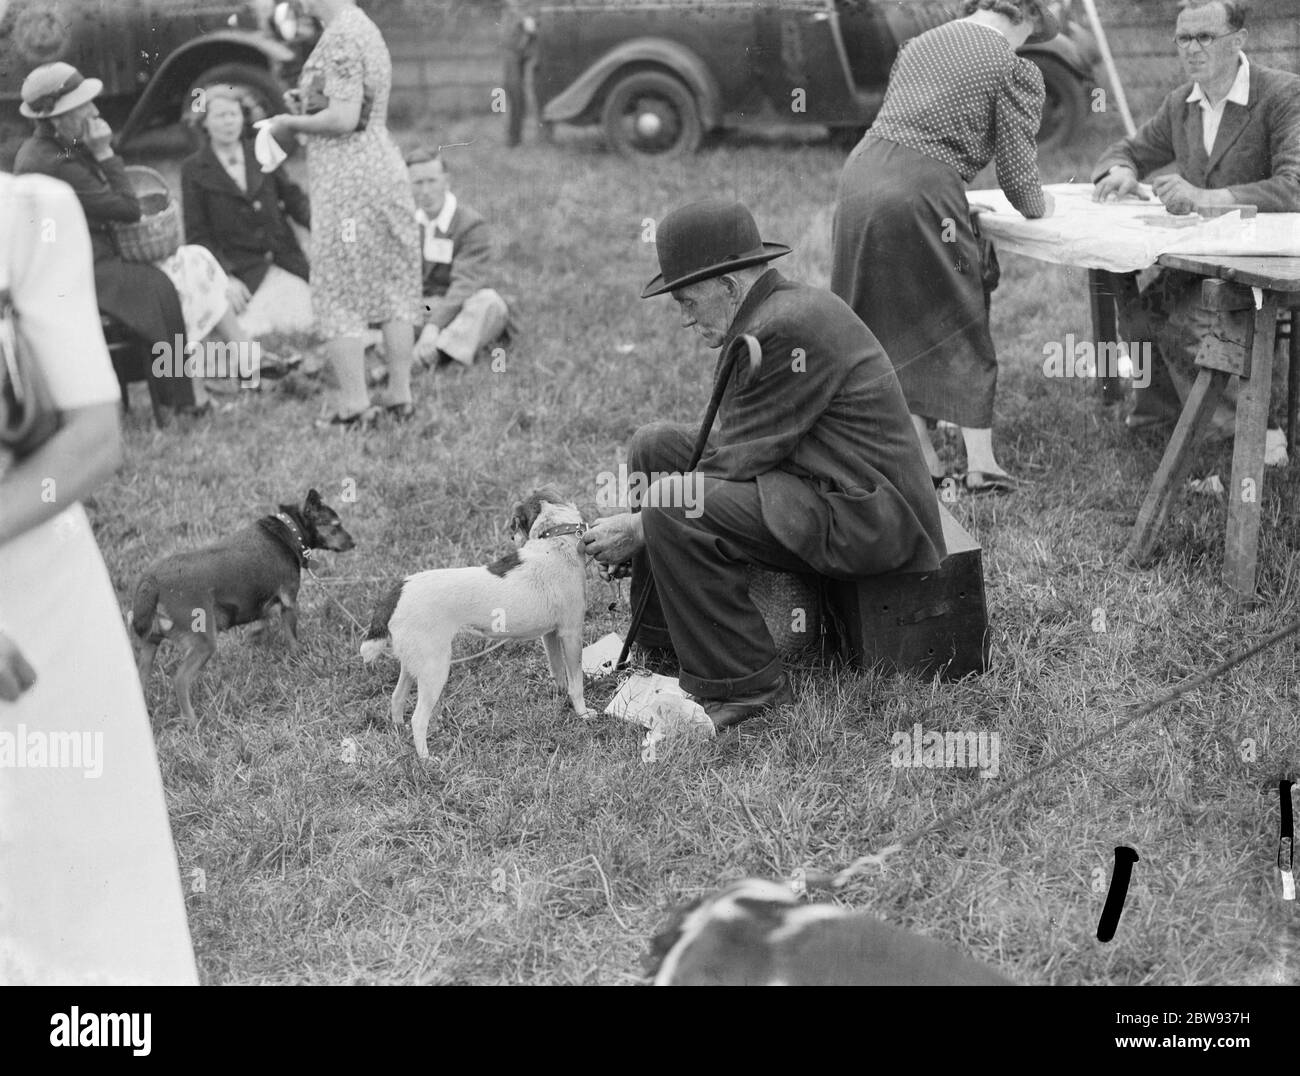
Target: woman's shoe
(990, 482)
(363, 419)
(400, 412)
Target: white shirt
(1212, 115)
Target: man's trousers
(701, 534)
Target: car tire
(651, 113)
(262, 92)
(1066, 104)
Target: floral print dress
(365, 256)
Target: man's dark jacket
(1256, 152)
(247, 231)
(823, 428)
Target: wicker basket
(157, 234)
(787, 603)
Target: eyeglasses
(1184, 41)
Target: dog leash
(361, 627)
(725, 365)
(843, 877)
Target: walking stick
(726, 364)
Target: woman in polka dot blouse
(906, 256)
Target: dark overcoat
(822, 427)
(246, 230)
(140, 296)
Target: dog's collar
(564, 528)
(293, 540)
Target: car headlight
(285, 19)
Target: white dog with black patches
(537, 591)
(756, 933)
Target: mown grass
(538, 848)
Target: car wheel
(651, 113)
(1066, 104)
(262, 94)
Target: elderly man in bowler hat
(813, 467)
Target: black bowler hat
(707, 239)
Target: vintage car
(658, 75)
(151, 55)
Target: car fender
(1063, 49)
(575, 99)
(179, 70)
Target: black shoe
(727, 712)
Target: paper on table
(1112, 235)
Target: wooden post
(1247, 491)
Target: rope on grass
(877, 858)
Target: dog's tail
(377, 640)
(144, 605)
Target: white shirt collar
(1240, 92)
(443, 220)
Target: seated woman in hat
(242, 215)
(184, 294)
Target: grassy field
(538, 848)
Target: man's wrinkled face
(1218, 59)
(706, 307)
(429, 185)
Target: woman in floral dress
(365, 256)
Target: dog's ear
(668, 934)
(548, 494)
(520, 524)
(313, 498)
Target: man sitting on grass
(463, 314)
(814, 466)
(1232, 132)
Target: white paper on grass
(654, 701)
(599, 657)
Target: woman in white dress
(89, 887)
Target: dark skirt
(142, 297)
(906, 258)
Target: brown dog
(190, 597)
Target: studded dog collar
(565, 528)
(293, 540)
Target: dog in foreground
(538, 590)
(757, 933)
(251, 575)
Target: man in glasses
(1232, 134)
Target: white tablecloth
(1116, 236)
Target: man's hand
(426, 347)
(1118, 183)
(615, 539)
(1178, 195)
(237, 294)
(98, 137)
(16, 676)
